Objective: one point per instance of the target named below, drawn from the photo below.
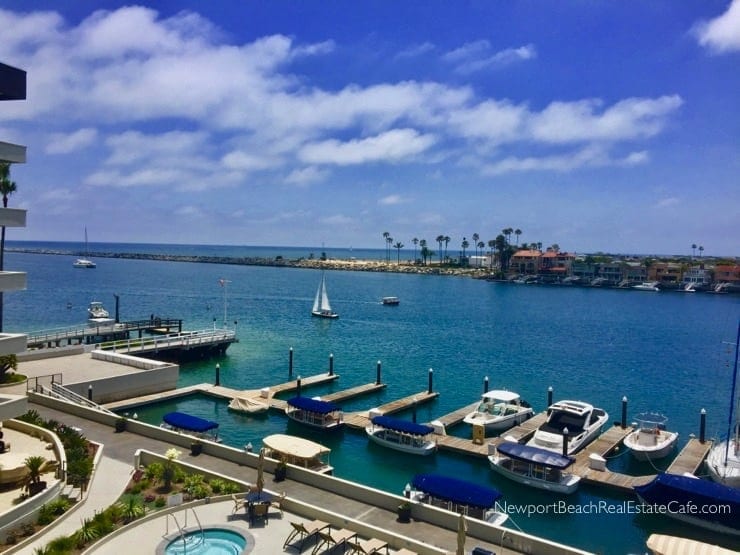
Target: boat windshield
(560, 420)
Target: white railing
(183, 340)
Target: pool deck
(116, 466)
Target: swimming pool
(209, 541)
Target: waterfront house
(668, 274)
(727, 273)
(555, 265)
(525, 262)
(698, 277)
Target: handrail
(70, 395)
(180, 529)
(185, 339)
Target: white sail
(321, 306)
(325, 306)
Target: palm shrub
(62, 544)
(34, 464)
(132, 507)
(87, 533)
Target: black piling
(624, 412)
(565, 442)
(702, 425)
(549, 396)
(377, 374)
(431, 374)
(331, 364)
(290, 363)
(218, 374)
(485, 384)
(298, 387)
(89, 392)
(413, 412)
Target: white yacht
(647, 286)
(579, 421)
(650, 440)
(98, 314)
(499, 410)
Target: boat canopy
(189, 422)
(531, 454)
(402, 425)
(295, 446)
(313, 405)
(456, 491)
(501, 395)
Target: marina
(360, 338)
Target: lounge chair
(303, 531)
(238, 503)
(367, 547)
(329, 539)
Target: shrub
(62, 544)
(230, 487)
(217, 485)
(46, 514)
(87, 533)
(160, 502)
(132, 507)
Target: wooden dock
(690, 458)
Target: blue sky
(597, 126)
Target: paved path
(116, 466)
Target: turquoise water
(669, 352)
(211, 541)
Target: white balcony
(12, 281)
(12, 217)
(12, 343)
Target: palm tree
(693, 250)
(424, 251)
(517, 232)
(415, 241)
(491, 245)
(7, 188)
(398, 246)
(701, 250)
(440, 239)
(385, 238)
(388, 243)
(447, 242)
(475, 242)
(464, 246)
(34, 465)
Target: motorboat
(249, 405)
(390, 301)
(405, 436)
(533, 466)
(458, 496)
(84, 262)
(723, 461)
(298, 451)
(321, 305)
(650, 440)
(683, 498)
(663, 544)
(579, 422)
(315, 413)
(647, 286)
(193, 425)
(499, 410)
(97, 314)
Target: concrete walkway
(109, 481)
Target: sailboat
(723, 461)
(321, 306)
(84, 262)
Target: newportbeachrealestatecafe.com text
(562, 507)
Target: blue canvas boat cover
(189, 422)
(678, 493)
(402, 425)
(313, 405)
(457, 491)
(528, 453)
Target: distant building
(525, 262)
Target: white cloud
(391, 200)
(721, 34)
(667, 202)
(391, 146)
(337, 220)
(306, 176)
(64, 143)
(476, 56)
(416, 50)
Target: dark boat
(314, 412)
(180, 421)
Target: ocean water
(670, 352)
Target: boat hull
(499, 423)
(663, 445)
(379, 436)
(727, 474)
(566, 485)
(321, 314)
(329, 426)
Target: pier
(96, 333)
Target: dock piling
(298, 387)
(377, 373)
(549, 396)
(413, 412)
(290, 363)
(624, 412)
(431, 373)
(565, 442)
(485, 385)
(218, 374)
(331, 364)
(702, 425)
(89, 392)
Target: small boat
(647, 286)
(689, 499)
(579, 421)
(97, 314)
(662, 544)
(250, 405)
(458, 496)
(84, 262)
(298, 451)
(315, 413)
(403, 435)
(650, 440)
(500, 410)
(390, 301)
(196, 426)
(321, 306)
(535, 467)
(723, 461)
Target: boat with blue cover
(533, 466)
(315, 413)
(458, 496)
(403, 435)
(689, 499)
(182, 422)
